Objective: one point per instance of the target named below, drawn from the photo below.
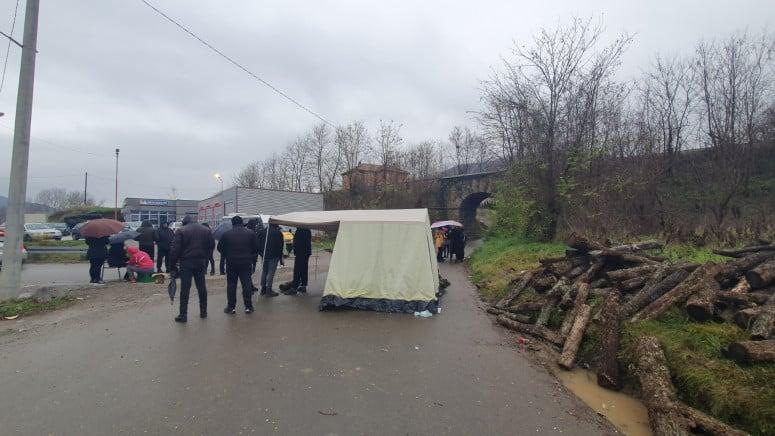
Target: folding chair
(106, 266)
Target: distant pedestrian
(211, 259)
(146, 237)
(438, 242)
(288, 240)
(163, 238)
(302, 250)
(188, 259)
(271, 246)
(458, 243)
(97, 253)
(139, 263)
(238, 245)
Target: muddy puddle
(626, 413)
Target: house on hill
(373, 176)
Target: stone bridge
(455, 197)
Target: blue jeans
(267, 273)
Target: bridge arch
(468, 206)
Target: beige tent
(383, 259)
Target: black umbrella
(172, 288)
(120, 237)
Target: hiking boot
(181, 318)
(229, 311)
(301, 290)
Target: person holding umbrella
(188, 260)
(238, 245)
(96, 233)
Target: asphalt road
(286, 369)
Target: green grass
(28, 306)
(740, 395)
(689, 253)
(326, 243)
(55, 243)
(498, 261)
(56, 258)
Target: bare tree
(353, 141)
(61, 199)
(296, 158)
(250, 176)
(387, 141)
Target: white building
(254, 201)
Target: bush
(517, 214)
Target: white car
(24, 253)
(40, 231)
(175, 226)
(132, 225)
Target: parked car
(40, 231)
(75, 232)
(175, 226)
(62, 227)
(24, 252)
(132, 225)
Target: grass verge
(56, 258)
(55, 243)
(28, 306)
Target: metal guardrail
(49, 250)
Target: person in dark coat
(211, 259)
(253, 225)
(188, 260)
(163, 238)
(302, 250)
(97, 253)
(117, 257)
(239, 245)
(458, 243)
(145, 238)
(271, 250)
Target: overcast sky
(113, 73)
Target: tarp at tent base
(383, 260)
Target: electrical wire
(8, 48)
(238, 65)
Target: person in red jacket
(139, 262)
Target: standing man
(211, 259)
(302, 250)
(145, 238)
(97, 253)
(239, 245)
(163, 238)
(190, 248)
(271, 246)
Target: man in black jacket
(145, 238)
(190, 248)
(271, 250)
(239, 245)
(163, 238)
(97, 253)
(302, 250)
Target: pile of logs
(636, 286)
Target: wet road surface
(286, 369)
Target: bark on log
(608, 366)
(543, 282)
(730, 272)
(744, 318)
(633, 284)
(600, 292)
(520, 286)
(512, 316)
(530, 329)
(699, 278)
(626, 257)
(582, 292)
(622, 275)
(590, 273)
(667, 415)
(599, 283)
(528, 307)
(742, 252)
(741, 287)
(763, 324)
(552, 297)
(700, 304)
(762, 276)
(571, 347)
(752, 351)
(743, 300)
(560, 269)
(580, 243)
(656, 288)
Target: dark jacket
(98, 247)
(146, 235)
(239, 245)
(117, 257)
(163, 238)
(191, 242)
(302, 243)
(275, 244)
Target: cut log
(730, 272)
(625, 257)
(582, 292)
(762, 276)
(599, 283)
(631, 273)
(530, 329)
(741, 287)
(529, 307)
(657, 287)
(552, 298)
(744, 318)
(513, 316)
(519, 287)
(608, 366)
(752, 351)
(571, 347)
(633, 284)
(700, 305)
(560, 269)
(600, 292)
(764, 323)
(577, 271)
(543, 282)
(742, 252)
(735, 299)
(699, 278)
(590, 273)
(582, 244)
(668, 416)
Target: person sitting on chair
(139, 262)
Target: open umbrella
(448, 223)
(122, 236)
(100, 228)
(222, 228)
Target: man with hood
(145, 238)
(188, 260)
(139, 263)
(163, 238)
(302, 250)
(271, 250)
(239, 245)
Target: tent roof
(332, 218)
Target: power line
(8, 48)
(237, 64)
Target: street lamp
(223, 200)
(115, 210)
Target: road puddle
(626, 413)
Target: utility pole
(85, 184)
(115, 210)
(11, 275)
